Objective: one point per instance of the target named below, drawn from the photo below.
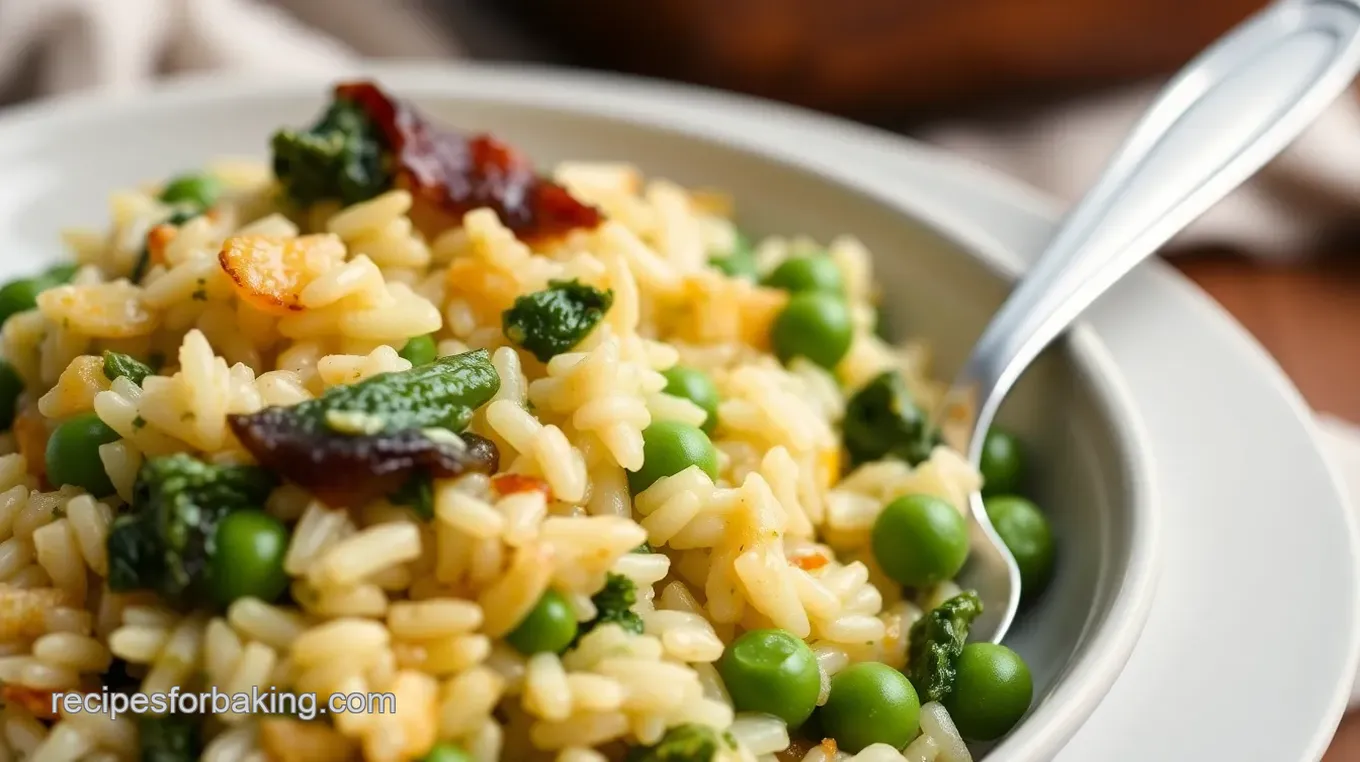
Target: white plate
(1255, 633)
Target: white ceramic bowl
(1088, 454)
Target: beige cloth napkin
(54, 46)
(1310, 191)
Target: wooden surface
(1306, 315)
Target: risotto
(556, 467)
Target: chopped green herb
(442, 394)
(614, 604)
(686, 743)
(172, 738)
(936, 640)
(643, 548)
(342, 157)
(882, 420)
(417, 494)
(166, 543)
(552, 321)
(117, 364)
(138, 422)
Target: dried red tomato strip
(510, 484)
(451, 174)
(352, 470)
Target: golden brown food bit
(270, 273)
(22, 610)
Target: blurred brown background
(887, 60)
(906, 62)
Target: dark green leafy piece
(685, 743)
(343, 156)
(359, 442)
(172, 738)
(117, 364)
(167, 541)
(552, 321)
(417, 494)
(935, 643)
(614, 604)
(882, 420)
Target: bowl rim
(686, 110)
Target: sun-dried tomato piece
(450, 174)
(362, 441)
(347, 470)
(510, 484)
(38, 702)
(809, 562)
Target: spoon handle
(1221, 119)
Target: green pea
(811, 273)
(200, 190)
(447, 752)
(420, 350)
(550, 626)
(1025, 531)
(668, 448)
(1002, 464)
(20, 296)
(815, 325)
(247, 560)
(870, 703)
(774, 672)
(920, 540)
(992, 692)
(695, 386)
(73, 454)
(11, 386)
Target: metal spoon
(1220, 120)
